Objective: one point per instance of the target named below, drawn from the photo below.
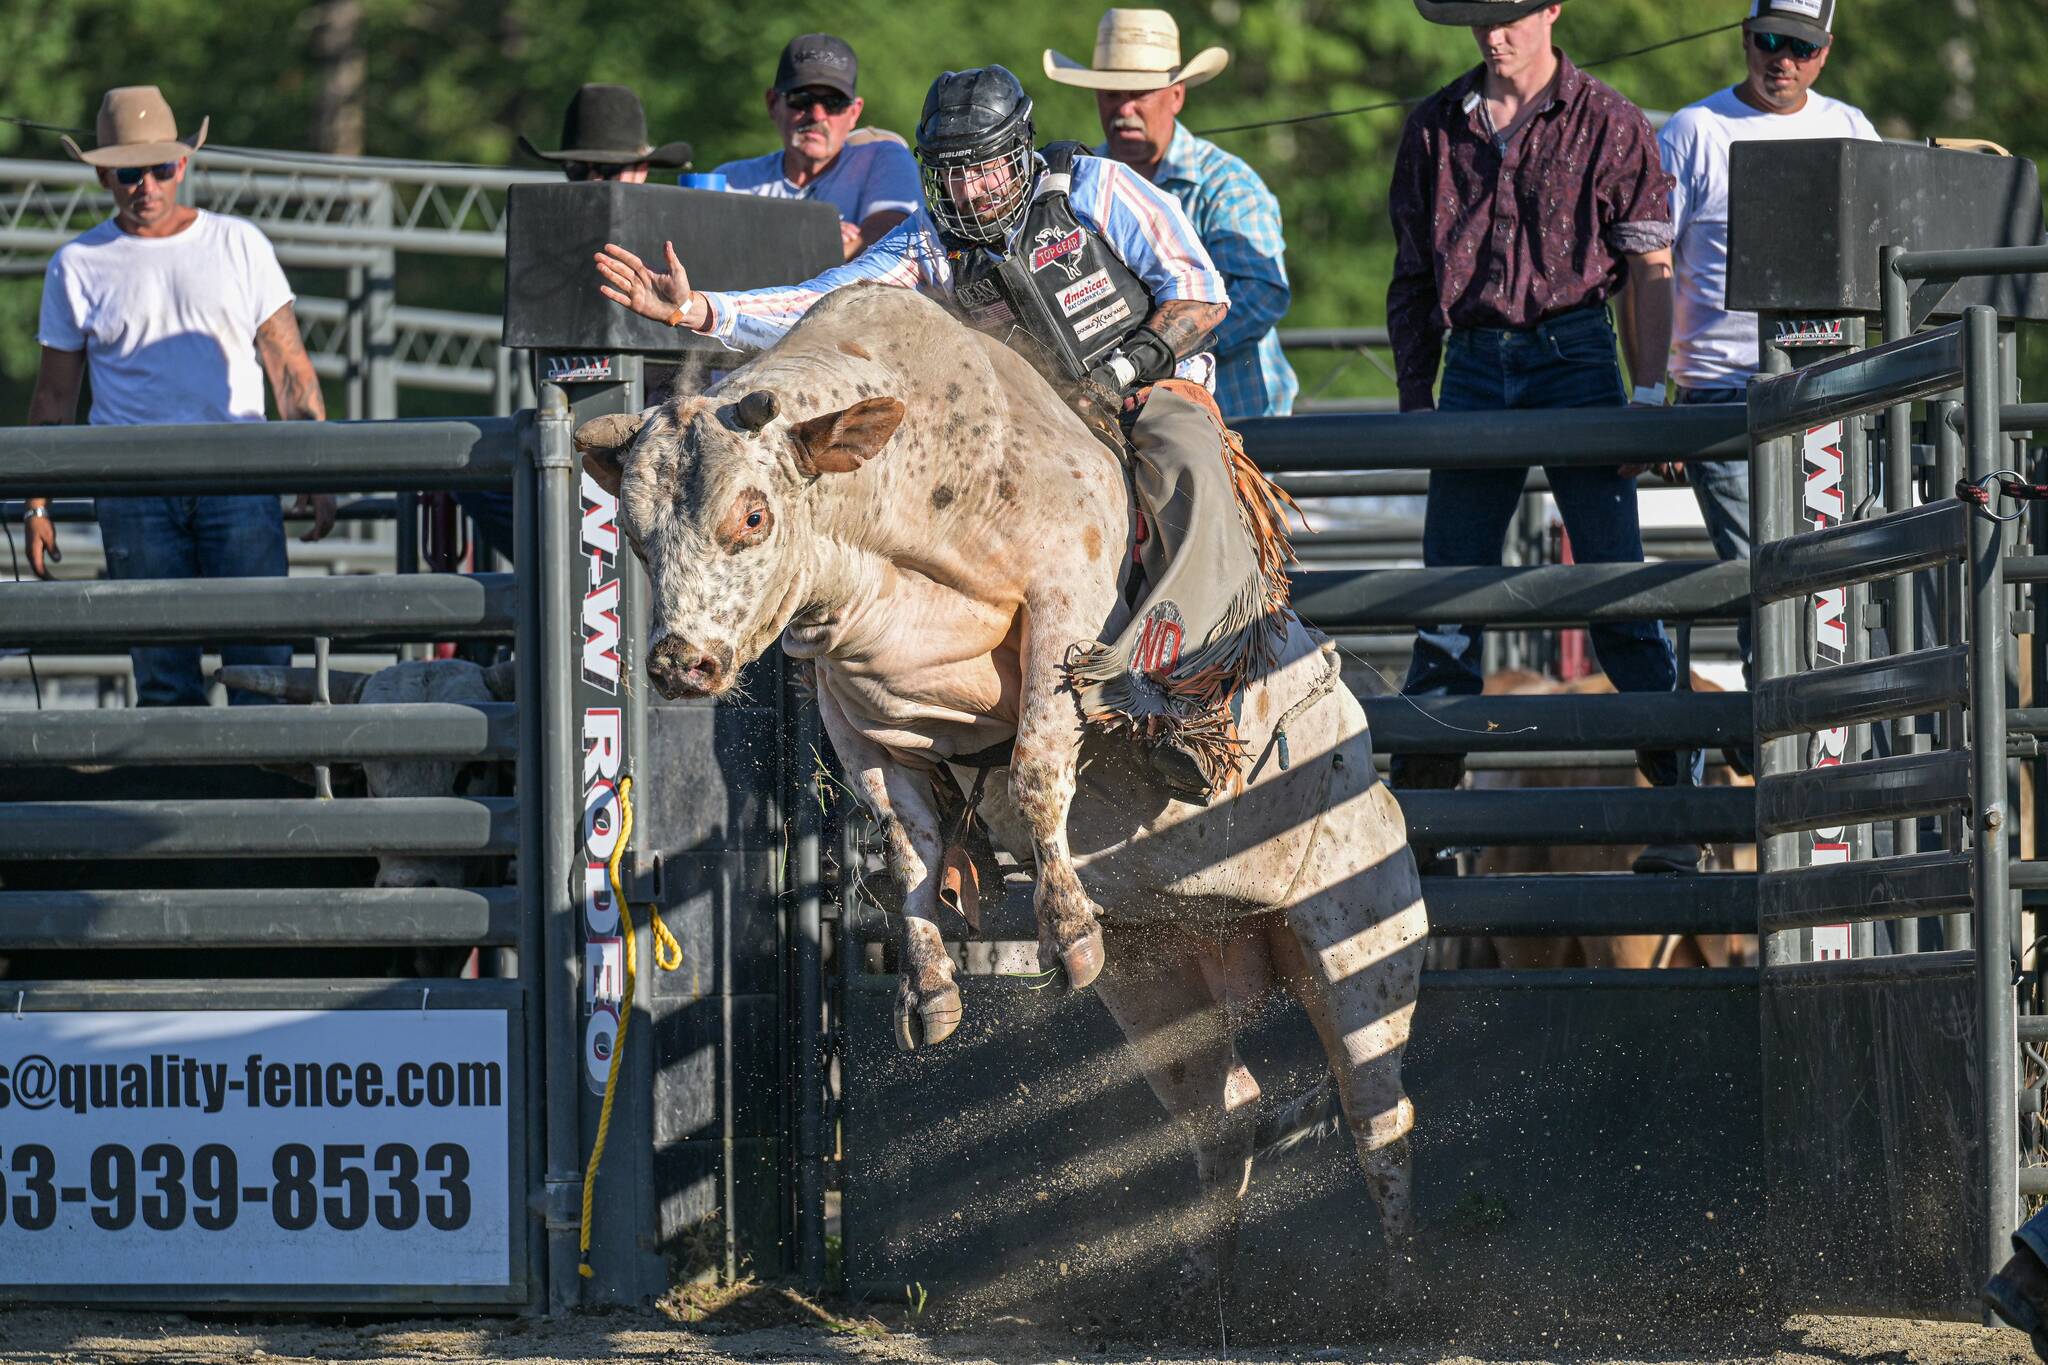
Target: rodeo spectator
(1140, 84)
(873, 182)
(1525, 195)
(178, 314)
(604, 137)
(1714, 351)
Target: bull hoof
(1082, 960)
(923, 1022)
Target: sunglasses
(590, 170)
(1771, 44)
(132, 175)
(801, 100)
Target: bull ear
(604, 442)
(841, 442)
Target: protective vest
(1061, 285)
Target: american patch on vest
(1159, 640)
(1089, 289)
(1050, 248)
(1101, 318)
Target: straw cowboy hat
(1467, 12)
(606, 125)
(136, 128)
(1136, 49)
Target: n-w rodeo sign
(603, 730)
(1821, 470)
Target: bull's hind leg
(1043, 767)
(1169, 991)
(927, 1002)
(1352, 952)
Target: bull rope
(668, 954)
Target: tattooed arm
(290, 369)
(297, 389)
(1186, 325)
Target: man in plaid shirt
(1140, 84)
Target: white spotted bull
(907, 503)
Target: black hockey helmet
(974, 142)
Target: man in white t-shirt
(178, 315)
(873, 183)
(1714, 351)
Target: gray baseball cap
(1808, 20)
(817, 59)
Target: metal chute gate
(221, 1099)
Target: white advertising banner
(255, 1147)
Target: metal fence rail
(478, 732)
(243, 918)
(149, 611)
(1346, 443)
(1537, 595)
(267, 457)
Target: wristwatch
(32, 512)
(1653, 394)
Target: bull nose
(681, 669)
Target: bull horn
(610, 434)
(502, 678)
(758, 409)
(301, 685)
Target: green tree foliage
(455, 80)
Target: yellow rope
(669, 954)
(611, 1080)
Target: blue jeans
(1567, 362)
(1721, 488)
(201, 537)
(490, 512)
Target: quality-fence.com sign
(254, 1147)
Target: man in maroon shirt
(1526, 195)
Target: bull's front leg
(1043, 767)
(900, 797)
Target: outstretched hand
(630, 281)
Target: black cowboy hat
(1468, 12)
(606, 126)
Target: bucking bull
(907, 503)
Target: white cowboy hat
(1136, 49)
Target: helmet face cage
(1001, 182)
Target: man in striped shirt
(1140, 85)
(1094, 274)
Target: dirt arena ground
(769, 1326)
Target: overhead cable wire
(1407, 103)
(369, 165)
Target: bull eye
(749, 522)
